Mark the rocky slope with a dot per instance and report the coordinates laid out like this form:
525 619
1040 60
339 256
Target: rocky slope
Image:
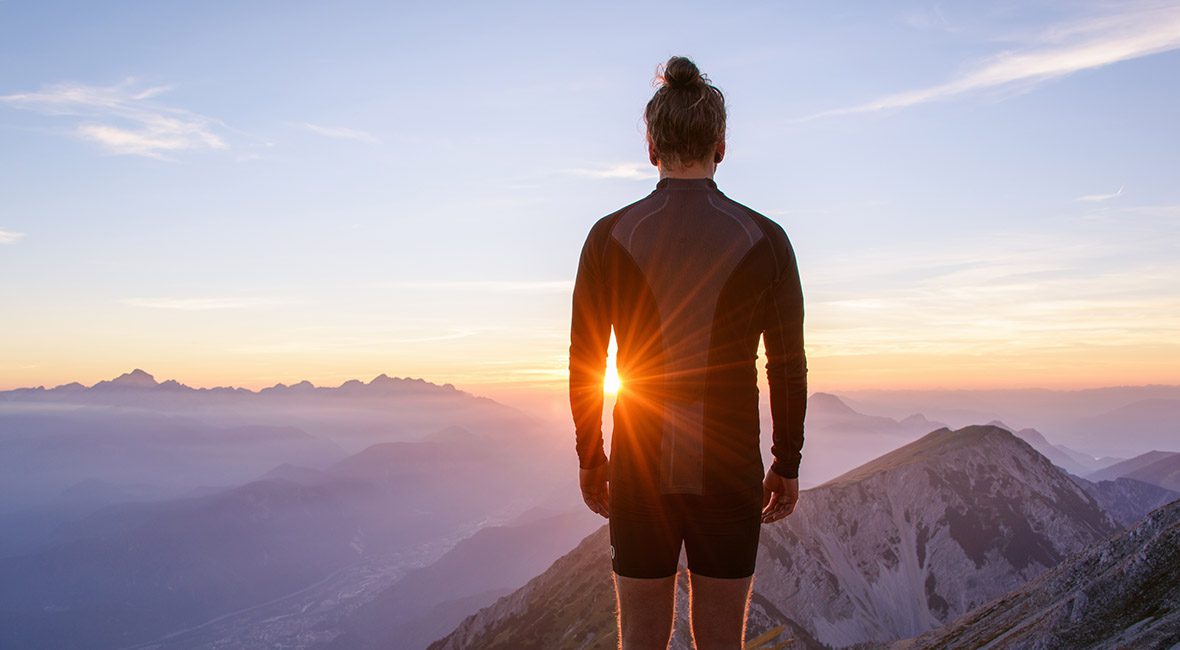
894 548
1127 500
1122 593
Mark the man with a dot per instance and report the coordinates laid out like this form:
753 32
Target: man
689 279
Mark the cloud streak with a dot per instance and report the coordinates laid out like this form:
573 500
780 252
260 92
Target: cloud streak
339 132
199 304
626 171
1056 52
508 286
1094 198
123 119
9 237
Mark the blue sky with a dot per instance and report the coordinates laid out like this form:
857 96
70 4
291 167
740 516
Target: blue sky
979 194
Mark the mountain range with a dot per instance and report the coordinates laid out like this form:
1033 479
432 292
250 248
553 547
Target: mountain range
173 438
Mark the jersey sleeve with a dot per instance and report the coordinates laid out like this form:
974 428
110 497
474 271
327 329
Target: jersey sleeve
786 362
589 338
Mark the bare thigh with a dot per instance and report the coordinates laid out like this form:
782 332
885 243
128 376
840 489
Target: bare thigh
718 608
646 607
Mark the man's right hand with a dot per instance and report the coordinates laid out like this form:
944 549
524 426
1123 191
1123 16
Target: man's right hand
779 496
594 489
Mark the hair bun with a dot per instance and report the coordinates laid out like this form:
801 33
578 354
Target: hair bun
681 72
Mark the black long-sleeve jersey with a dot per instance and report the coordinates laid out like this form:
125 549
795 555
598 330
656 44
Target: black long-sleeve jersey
689 279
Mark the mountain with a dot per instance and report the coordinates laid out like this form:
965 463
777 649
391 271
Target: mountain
135 379
1148 423
429 602
839 437
1152 464
893 548
570 605
1121 593
26 530
828 411
1071 461
1127 500
133 572
1164 472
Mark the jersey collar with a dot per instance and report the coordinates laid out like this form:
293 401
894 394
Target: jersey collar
686 184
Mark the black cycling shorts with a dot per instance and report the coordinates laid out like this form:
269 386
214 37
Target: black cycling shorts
719 533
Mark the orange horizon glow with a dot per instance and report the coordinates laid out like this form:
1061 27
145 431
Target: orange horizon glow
1104 369
519 366
533 371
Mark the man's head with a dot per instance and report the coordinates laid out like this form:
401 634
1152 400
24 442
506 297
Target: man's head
685 118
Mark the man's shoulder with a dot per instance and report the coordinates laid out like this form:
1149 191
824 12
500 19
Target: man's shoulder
771 228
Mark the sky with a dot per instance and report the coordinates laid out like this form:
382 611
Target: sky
979 195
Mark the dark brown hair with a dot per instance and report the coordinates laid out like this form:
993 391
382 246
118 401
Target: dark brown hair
686 117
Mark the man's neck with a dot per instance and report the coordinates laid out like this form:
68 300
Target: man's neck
697 170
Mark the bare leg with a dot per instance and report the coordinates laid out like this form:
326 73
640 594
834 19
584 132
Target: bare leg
718 607
645 611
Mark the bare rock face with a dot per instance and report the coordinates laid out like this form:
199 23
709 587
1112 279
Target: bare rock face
922 535
1127 500
892 549
1122 593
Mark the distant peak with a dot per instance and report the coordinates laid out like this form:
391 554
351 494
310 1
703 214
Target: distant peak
1000 423
135 378
1032 436
828 402
452 433
381 379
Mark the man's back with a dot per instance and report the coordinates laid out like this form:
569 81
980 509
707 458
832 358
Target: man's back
689 279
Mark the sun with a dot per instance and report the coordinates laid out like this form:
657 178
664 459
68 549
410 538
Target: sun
610 381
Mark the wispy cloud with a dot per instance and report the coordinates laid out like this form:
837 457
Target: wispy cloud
1094 198
999 294
628 171
124 118
200 304
8 236
928 18
1058 51
512 286
339 132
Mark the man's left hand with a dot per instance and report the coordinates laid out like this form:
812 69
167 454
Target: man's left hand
779 497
